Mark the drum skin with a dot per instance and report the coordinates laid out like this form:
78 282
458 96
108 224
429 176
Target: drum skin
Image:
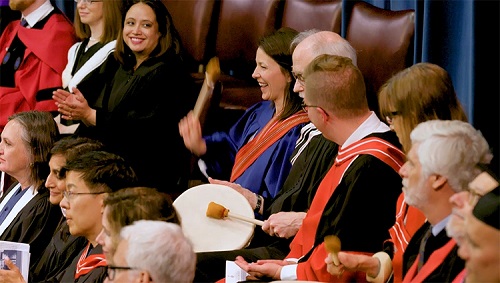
209 234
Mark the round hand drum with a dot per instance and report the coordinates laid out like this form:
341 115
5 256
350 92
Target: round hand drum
210 234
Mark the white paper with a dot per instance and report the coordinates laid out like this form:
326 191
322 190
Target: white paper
19 254
234 273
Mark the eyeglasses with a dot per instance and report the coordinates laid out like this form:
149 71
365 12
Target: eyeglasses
305 107
111 270
71 195
298 77
391 115
87 2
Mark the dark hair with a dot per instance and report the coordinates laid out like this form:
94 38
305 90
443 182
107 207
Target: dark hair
72 146
102 171
169 37
277 46
39 133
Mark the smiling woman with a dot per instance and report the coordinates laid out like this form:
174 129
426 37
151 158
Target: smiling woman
130 111
254 154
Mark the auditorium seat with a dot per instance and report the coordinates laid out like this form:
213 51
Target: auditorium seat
241 25
196 21
383 40
307 14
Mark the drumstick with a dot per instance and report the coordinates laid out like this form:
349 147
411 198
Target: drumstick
332 245
211 77
217 211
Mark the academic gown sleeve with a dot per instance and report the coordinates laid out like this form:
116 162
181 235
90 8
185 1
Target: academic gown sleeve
42 66
266 175
369 184
58 255
96 275
35 224
139 108
222 147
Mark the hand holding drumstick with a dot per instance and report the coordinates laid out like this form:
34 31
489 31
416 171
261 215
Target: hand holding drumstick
332 246
211 77
190 127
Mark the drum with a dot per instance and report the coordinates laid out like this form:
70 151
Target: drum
210 234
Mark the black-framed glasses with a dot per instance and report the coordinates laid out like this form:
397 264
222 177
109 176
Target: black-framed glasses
391 115
305 107
88 2
298 77
71 195
111 270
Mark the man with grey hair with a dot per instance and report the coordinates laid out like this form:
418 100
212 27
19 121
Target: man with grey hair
363 178
312 158
319 152
436 181
442 161
152 251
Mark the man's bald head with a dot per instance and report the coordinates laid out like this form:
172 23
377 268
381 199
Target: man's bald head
313 45
323 42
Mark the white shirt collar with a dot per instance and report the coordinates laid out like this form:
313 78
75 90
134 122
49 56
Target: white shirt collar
40 13
436 229
371 125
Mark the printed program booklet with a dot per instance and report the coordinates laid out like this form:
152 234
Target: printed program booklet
234 273
19 254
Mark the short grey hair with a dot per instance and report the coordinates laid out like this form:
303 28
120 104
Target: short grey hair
301 36
451 148
160 248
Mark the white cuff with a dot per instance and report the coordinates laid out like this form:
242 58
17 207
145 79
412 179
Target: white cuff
385 268
289 272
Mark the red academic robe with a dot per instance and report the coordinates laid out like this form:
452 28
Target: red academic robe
408 220
460 277
314 268
434 261
44 61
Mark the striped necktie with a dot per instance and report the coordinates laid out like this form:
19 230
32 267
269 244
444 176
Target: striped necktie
421 250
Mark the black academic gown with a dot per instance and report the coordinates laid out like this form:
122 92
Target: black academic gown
97 274
58 255
34 224
368 183
138 108
296 195
452 264
94 81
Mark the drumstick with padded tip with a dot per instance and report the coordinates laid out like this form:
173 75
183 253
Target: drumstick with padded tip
211 77
217 211
332 245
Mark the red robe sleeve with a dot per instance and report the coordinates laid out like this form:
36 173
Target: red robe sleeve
44 60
